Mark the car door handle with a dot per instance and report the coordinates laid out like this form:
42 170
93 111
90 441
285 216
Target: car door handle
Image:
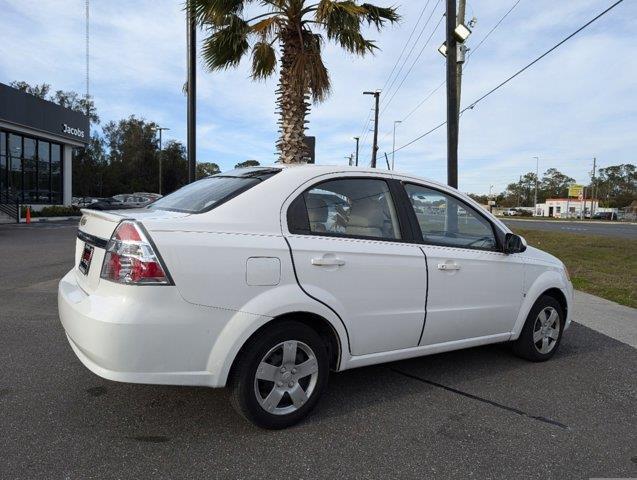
448 266
328 262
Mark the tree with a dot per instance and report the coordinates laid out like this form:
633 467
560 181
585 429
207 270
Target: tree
174 166
291 25
89 167
554 184
247 163
205 169
616 186
133 160
39 91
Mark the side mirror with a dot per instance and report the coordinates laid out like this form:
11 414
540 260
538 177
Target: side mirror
514 243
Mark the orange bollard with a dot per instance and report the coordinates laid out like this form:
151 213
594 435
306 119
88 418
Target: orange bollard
28 217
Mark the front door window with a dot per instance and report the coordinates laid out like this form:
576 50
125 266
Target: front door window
445 220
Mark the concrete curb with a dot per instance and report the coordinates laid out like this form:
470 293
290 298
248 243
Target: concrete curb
51 219
585 222
610 318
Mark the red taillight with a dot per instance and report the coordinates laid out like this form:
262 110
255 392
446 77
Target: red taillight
131 259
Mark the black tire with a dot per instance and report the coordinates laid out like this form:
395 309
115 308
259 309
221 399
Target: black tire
524 346
242 379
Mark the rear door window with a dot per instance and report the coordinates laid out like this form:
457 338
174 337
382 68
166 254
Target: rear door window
353 207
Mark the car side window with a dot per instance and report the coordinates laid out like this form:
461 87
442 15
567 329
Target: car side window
351 207
445 220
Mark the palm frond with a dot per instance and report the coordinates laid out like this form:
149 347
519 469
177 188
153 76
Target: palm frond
228 44
263 60
377 16
210 11
309 71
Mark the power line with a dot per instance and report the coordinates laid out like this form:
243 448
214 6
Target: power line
422 31
471 52
414 62
422 12
523 69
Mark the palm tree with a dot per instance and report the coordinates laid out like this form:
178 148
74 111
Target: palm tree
292 26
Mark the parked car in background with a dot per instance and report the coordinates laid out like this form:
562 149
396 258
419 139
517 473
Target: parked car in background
265 279
137 200
605 216
511 212
109 203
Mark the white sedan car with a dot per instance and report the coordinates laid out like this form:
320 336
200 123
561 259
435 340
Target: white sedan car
265 279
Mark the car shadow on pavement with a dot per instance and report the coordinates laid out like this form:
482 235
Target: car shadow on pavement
147 413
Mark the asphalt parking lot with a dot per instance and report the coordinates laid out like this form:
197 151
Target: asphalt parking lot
479 413
606 229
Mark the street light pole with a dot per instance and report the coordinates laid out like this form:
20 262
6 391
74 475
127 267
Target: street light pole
160 130
192 94
393 148
375 146
357 140
537 172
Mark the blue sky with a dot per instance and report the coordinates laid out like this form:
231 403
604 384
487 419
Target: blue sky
578 103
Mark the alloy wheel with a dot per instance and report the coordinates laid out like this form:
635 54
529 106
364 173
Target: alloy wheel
286 377
546 330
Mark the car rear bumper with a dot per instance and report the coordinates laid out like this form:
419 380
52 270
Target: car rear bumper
140 334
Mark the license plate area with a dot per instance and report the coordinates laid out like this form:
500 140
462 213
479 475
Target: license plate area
85 259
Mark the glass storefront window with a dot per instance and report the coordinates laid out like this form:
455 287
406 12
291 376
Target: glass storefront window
56 174
44 171
29 172
30 168
15 164
3 162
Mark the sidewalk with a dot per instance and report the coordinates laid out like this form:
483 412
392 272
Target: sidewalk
610 318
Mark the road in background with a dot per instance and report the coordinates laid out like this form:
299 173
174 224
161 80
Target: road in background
607 229
479 413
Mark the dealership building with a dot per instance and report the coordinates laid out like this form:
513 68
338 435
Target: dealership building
37 141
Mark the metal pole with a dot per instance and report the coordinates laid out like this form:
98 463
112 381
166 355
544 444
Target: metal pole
192 95
357 140
393 148
160 152
375 145
160 130
452 97
537 172
593 187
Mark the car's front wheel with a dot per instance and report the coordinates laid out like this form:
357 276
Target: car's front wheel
279 375
542 331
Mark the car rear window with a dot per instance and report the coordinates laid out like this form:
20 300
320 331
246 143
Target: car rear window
210 192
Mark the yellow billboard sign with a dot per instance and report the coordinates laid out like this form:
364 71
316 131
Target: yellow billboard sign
575 190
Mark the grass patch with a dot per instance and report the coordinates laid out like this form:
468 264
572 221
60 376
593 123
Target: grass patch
602 266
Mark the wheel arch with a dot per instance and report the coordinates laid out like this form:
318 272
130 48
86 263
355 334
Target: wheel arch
549 283
314 321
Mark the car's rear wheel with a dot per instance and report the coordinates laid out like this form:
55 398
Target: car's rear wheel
279 375
542 331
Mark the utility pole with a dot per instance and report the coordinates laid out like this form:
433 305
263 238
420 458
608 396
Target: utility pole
387 160
160 129
452 96
357 140
519 188
375 146
537 173
191 28
593 187
393 148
